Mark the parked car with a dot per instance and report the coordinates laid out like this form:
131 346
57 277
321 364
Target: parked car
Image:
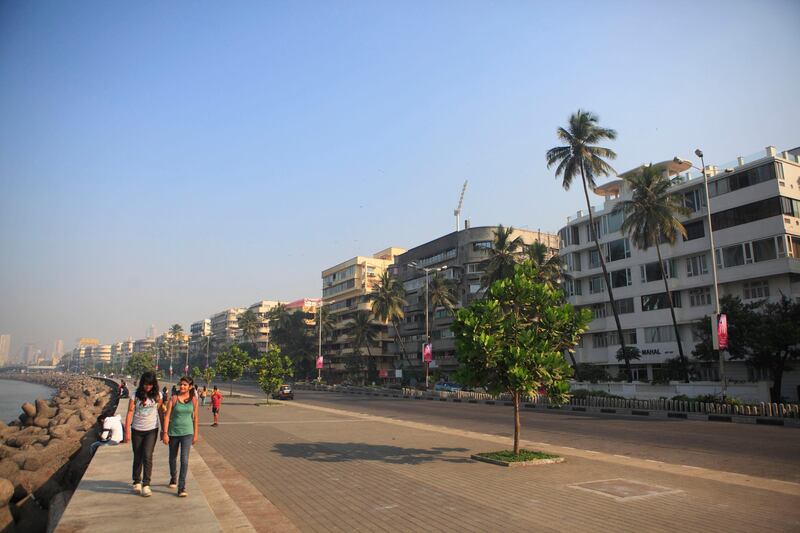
447 387
284 392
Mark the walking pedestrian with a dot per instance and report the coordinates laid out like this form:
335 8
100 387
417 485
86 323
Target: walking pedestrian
141 430
216 401
180 432
203 395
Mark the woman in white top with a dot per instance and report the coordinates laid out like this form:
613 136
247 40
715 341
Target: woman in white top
141 429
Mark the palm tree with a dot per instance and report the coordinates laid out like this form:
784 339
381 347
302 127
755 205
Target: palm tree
650 216
580 157
277 316
441 294
503 256
365 332
388 300
550 268
249 323
175 331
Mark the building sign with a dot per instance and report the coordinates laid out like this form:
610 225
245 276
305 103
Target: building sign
319 361
722 331
652 351
383 373
427 352
398 373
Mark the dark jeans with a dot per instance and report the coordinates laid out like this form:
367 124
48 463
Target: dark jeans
143 443
184 442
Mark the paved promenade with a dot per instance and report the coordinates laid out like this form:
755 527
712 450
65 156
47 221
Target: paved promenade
325 469
303 466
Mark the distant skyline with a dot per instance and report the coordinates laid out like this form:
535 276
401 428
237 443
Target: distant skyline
160 162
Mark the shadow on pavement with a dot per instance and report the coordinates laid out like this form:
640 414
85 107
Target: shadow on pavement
330 452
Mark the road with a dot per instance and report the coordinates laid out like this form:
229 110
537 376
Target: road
764 451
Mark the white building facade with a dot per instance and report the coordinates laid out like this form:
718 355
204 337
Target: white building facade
755 214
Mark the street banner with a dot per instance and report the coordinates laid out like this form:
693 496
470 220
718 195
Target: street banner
383 373
319 361
427 352
722 331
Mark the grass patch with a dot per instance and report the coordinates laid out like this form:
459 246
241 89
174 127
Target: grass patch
524 455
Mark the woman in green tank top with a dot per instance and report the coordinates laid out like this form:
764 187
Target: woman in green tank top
180 431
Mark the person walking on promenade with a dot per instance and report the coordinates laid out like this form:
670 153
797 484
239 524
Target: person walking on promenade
141 429
180 431
203 396
216 401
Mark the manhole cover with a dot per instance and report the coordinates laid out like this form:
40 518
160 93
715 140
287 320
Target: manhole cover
624 489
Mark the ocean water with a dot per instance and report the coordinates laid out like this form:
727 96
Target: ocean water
14 393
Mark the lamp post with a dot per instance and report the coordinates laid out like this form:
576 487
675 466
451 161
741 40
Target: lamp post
413 264
319 349
715 320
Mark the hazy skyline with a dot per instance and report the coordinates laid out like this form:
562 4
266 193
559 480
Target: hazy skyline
162 162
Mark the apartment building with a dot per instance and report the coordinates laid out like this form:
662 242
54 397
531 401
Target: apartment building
225 327
144 345
121 352
5 349
345 291
755 216
463 253
261 310
199 336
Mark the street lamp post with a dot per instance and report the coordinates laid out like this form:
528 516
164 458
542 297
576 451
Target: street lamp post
413 264
319 348
715 320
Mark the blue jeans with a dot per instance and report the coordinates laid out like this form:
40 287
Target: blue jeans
184 442
99 443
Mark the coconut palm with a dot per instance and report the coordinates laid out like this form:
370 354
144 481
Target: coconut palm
581 157
650 216
277 315
441 294
503 256
365 332
388 300
550 268
249 324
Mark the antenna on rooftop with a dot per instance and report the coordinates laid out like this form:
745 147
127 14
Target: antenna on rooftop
457 210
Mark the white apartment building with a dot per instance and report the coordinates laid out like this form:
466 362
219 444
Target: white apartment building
755 212
261 310
225 326
199 333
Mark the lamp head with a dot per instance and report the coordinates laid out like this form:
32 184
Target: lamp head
698 152
677 160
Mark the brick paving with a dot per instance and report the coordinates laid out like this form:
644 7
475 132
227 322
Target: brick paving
333 471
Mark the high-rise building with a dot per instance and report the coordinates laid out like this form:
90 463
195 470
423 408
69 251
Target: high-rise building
261 310
345 291
58 349
152 332
755 216
225 327
29 357
463 253
5 349
199 338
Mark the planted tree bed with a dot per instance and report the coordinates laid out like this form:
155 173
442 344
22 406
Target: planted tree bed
524 458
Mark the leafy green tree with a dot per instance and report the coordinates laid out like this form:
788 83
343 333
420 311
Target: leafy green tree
503 256
208 375
298 340
650 217
196 373
272 369
277 315
513 340
764 334
231 364
365 333
580 157
139 363
388 301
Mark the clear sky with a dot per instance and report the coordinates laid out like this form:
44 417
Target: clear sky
162 161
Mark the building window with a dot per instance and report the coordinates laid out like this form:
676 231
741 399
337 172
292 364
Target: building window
653 302
576 235
474 268
616 250
594 259
694 230
474 288
336 289
793 246
438 258
596 285
756 290
764 250
630 337
600 340
743 214
790 206
573 262
572 287
598 310
740 180
696 265
659 334
624 306
612 223
481 246
597 233
621 278
701 296
694 199
652 272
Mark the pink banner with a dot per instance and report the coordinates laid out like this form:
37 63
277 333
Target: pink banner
722 331
427 353
319 361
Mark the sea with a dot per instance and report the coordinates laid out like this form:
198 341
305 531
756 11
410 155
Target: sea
14 393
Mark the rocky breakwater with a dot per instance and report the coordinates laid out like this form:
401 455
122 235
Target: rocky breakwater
44 454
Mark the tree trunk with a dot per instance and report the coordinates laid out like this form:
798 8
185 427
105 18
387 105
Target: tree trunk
606 277
777 381
515 395
574 365
401 343
684 364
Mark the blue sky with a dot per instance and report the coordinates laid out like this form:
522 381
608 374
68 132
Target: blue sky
160 162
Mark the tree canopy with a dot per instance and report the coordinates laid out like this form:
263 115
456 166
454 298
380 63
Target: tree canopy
231 364
139 363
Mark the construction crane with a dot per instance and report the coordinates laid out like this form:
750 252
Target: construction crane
457 210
